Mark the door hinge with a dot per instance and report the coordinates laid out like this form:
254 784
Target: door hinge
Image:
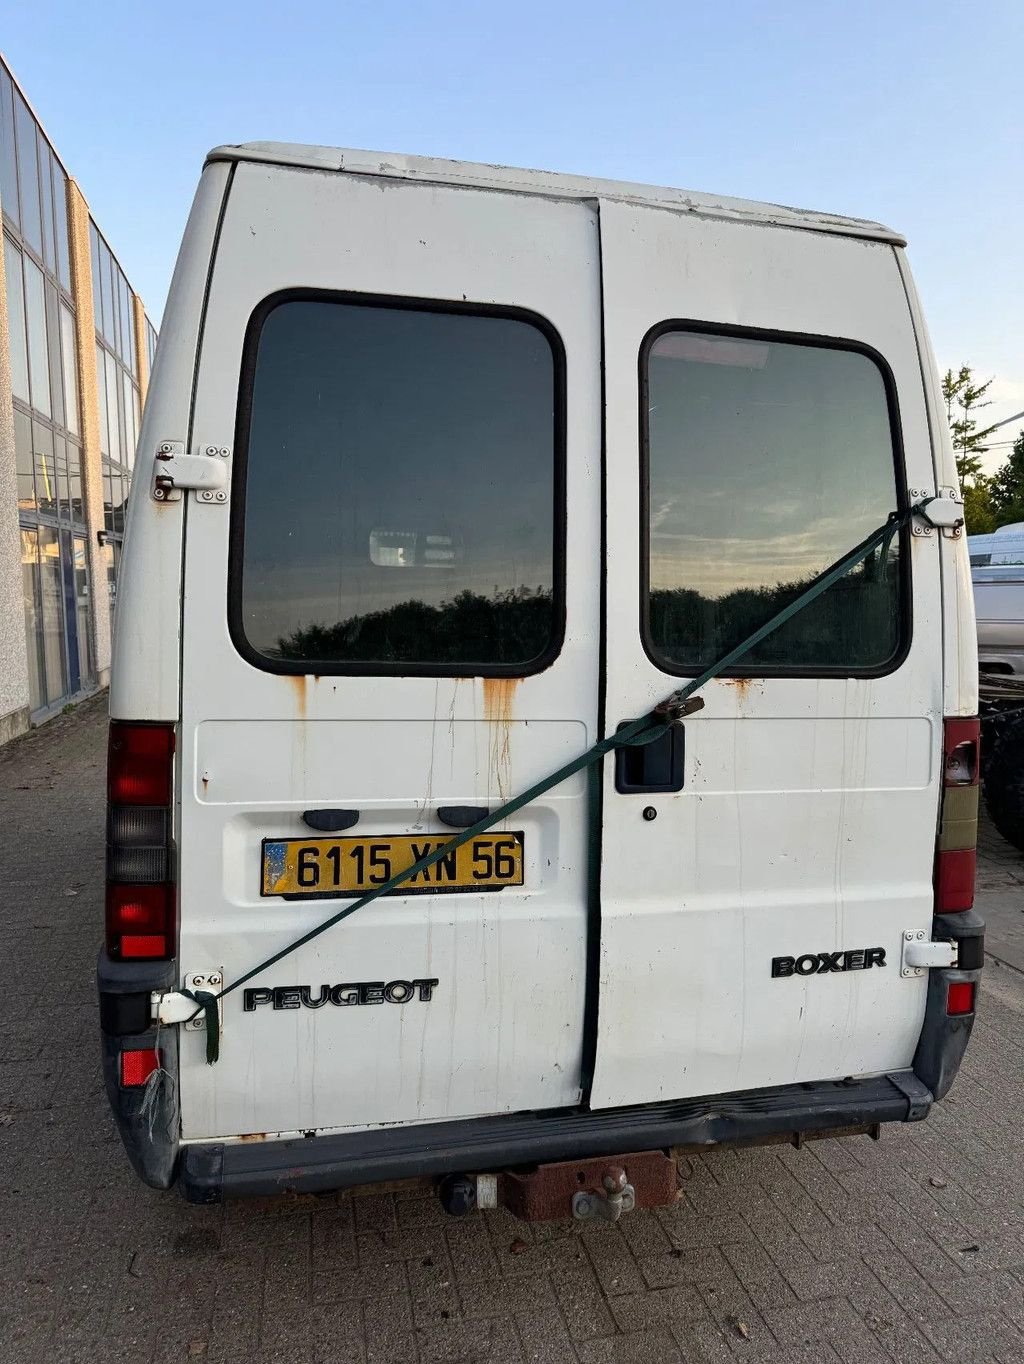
174 1006
920 954
206 473
942 511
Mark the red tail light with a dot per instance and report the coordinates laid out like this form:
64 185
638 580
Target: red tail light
138 1066
956 853
140 889
960 997
140 764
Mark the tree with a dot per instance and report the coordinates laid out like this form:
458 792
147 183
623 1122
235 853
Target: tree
1007 487
963 398
979 514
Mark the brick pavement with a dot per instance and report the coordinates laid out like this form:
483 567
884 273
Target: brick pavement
909 1249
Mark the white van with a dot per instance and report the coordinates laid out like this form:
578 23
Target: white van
446 473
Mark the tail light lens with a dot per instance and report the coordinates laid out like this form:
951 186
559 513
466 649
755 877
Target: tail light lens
960 998
140 888
956 851
138 1066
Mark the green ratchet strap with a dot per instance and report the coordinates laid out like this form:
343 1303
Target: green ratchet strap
638 732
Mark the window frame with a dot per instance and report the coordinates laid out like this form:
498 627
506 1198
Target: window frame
905 598
243 424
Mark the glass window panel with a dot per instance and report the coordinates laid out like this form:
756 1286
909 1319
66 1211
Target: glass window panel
767 461
108 500
46 200
24 462
122 415
53 353
82 597
52 597
42 457
97 297
28 174
137 408
101 397
8 156
16 321
379 527
128 391
60 223
108 306
60 469
150 344
69 362
38 357
129 331
113 405
30 587
75 483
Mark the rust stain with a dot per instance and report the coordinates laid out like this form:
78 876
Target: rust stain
499 701
742 685
253 1136
298 685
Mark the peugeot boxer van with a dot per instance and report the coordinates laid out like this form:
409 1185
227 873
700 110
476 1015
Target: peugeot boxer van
448 474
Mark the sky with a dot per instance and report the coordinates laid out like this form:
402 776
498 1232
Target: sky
906 111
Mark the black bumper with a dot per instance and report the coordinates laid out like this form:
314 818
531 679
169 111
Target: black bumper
209 1172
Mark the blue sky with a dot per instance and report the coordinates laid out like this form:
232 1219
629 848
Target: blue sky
900 110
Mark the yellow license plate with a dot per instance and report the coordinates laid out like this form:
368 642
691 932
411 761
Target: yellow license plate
351 866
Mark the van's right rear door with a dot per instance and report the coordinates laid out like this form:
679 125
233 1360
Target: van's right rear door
765 413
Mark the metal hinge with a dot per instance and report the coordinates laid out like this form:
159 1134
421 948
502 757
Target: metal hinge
172 1006
943 511
920 953
175 472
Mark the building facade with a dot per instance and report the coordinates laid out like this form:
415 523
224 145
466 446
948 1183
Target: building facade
75 354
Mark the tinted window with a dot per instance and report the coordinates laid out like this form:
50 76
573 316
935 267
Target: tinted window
767 461
400 490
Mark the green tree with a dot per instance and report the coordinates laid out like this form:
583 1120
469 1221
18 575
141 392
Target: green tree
963 398
1007 487
979 514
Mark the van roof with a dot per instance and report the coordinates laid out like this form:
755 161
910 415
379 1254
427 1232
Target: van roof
437 171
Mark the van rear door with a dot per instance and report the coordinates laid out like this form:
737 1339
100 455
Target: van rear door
765 383
400 629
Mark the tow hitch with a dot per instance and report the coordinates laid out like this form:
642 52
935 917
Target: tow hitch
603 1188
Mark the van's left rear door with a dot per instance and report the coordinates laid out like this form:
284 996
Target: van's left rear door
402 619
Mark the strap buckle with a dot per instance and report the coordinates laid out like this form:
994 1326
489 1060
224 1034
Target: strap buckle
677 707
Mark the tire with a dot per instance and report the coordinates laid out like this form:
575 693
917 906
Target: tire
1004 777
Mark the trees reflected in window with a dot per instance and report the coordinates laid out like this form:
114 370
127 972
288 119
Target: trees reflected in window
400 489
767 460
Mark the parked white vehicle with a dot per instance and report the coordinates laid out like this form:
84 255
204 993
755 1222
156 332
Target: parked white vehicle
446 472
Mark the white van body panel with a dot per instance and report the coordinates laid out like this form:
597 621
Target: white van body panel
505 1029
145 682
959 642
806 821
783 836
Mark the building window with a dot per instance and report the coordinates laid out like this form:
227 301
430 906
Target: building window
45 389
766 459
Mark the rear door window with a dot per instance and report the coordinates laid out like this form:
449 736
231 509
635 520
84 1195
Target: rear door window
401 507
766 459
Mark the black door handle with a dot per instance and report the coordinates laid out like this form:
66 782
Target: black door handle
653 767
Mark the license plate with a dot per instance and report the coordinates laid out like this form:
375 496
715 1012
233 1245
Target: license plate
351 866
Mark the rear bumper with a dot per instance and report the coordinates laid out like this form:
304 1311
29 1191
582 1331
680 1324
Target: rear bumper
210 1172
